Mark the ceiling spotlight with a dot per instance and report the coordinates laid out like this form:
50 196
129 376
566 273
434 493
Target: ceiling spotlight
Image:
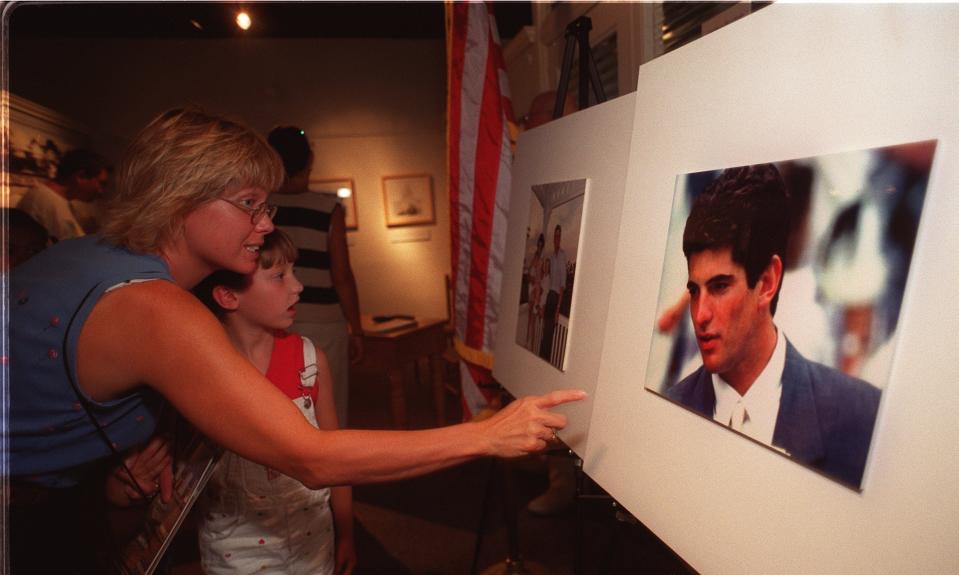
243 20
344 193
196 25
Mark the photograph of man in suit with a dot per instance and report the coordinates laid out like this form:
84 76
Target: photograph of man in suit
752 379
557 287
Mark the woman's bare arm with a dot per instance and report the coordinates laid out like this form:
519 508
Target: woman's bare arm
156 334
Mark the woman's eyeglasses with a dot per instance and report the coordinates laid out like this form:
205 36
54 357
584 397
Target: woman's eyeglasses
257 213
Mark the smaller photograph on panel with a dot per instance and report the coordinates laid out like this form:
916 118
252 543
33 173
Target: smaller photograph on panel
549 269
781 297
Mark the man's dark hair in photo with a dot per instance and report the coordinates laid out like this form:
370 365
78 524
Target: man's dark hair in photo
745 209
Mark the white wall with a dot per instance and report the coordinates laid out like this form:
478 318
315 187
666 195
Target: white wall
371 108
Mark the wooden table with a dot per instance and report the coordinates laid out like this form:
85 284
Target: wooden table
393 351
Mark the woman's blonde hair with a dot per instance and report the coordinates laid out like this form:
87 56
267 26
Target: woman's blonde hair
180 160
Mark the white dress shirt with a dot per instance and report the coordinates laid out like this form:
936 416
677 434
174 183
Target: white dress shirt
761 400
557 271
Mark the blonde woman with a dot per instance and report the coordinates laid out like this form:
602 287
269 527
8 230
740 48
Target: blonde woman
104 332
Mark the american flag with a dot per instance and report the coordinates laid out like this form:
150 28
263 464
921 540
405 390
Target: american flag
480 124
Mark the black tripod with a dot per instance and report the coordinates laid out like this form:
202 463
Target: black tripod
578 31
500 478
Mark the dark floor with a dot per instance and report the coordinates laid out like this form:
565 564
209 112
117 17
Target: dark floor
429 525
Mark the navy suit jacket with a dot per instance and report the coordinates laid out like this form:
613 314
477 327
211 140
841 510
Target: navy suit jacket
825 417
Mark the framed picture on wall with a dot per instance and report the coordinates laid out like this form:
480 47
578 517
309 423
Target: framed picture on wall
408 200
344 189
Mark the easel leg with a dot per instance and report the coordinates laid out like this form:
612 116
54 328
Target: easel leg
484 510
501 473
579 561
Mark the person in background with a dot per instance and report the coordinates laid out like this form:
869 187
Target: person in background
558 262
87 212
104 334
329 312
254 518
81 176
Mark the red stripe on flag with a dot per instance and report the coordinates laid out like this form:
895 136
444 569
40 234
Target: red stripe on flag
457 61
488 154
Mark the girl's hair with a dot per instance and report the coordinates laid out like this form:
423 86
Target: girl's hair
277 249
180 160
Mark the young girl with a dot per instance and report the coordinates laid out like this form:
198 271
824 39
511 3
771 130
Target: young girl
255 518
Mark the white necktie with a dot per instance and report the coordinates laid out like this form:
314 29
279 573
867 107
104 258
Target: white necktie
738 417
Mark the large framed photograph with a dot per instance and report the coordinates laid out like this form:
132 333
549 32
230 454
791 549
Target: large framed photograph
549 269
345 190
781 296
408 200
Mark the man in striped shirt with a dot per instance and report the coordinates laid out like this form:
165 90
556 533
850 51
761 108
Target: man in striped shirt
328 312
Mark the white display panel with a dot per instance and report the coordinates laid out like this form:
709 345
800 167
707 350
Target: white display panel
792 81
593 145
